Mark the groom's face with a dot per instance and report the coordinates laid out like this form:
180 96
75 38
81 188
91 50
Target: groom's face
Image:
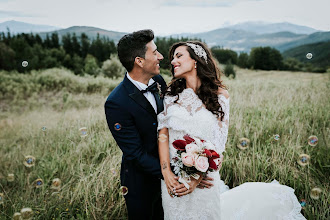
152 59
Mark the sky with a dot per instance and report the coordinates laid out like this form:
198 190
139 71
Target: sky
166 17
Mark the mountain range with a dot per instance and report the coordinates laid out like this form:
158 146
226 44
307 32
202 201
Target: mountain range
239 37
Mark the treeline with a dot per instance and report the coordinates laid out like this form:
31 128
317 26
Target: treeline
266 58
99 56
77 53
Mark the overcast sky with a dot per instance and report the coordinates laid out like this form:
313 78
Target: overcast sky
165 16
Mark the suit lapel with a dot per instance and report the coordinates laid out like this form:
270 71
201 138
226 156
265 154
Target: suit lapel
138 97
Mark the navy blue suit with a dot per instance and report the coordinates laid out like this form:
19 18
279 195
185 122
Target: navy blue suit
133 123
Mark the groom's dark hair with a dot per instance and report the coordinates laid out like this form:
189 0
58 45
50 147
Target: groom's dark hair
133 45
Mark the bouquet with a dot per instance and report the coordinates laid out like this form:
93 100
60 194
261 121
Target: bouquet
194 156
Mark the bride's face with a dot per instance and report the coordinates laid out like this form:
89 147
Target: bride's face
183 64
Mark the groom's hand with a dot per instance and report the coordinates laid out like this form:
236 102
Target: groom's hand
205 183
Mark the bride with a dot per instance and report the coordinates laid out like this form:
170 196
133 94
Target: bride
197 103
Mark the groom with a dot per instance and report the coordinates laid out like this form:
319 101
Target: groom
131 112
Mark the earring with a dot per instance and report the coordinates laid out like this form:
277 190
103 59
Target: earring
195 65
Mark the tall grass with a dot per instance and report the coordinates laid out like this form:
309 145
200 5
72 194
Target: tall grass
293 105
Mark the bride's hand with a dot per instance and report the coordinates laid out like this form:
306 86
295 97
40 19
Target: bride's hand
192 186
172 183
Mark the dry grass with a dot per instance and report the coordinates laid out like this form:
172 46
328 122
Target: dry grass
263 103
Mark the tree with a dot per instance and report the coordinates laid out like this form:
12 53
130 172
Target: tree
243 60
229 70
55 41
75 45
47 42
265 58
224 55
67 44
7 57
91 66
85 44
292 64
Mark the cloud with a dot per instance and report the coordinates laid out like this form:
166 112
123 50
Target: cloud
4 14
204 3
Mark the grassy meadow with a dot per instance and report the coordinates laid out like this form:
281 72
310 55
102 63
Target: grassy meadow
262 104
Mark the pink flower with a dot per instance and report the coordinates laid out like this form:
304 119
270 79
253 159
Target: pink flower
201 163
191 148
188 159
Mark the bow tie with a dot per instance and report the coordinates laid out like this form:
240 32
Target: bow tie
152 88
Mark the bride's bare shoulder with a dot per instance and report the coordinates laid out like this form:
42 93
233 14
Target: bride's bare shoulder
223 92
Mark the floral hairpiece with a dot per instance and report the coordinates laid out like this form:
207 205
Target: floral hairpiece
199 51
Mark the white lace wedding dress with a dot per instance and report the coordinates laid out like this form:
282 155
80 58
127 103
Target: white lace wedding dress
251 201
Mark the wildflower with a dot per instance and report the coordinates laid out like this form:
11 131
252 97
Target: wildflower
26 213
29 161
56 184
17 216
315 193
312 141
44 128
10 177
124 190
243 143
276 137
83 132
1 198
303 159
38 183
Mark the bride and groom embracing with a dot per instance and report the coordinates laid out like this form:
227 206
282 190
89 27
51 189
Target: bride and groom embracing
172 138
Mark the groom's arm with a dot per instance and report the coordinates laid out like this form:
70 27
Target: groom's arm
128 140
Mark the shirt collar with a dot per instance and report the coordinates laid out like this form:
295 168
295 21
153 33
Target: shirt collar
140 85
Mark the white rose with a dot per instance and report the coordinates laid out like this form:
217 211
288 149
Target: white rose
201 163
188 159
191 148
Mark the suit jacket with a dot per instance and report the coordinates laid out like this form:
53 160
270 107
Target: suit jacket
133 123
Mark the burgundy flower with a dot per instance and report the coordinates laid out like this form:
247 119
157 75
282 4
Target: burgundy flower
180 145
188 139
212 164
208 153
214 154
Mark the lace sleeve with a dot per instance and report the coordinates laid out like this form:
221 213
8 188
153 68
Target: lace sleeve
221 130
163 117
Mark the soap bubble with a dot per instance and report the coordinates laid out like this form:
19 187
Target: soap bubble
25 63
309 56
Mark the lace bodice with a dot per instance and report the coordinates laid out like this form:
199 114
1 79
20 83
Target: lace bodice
189 116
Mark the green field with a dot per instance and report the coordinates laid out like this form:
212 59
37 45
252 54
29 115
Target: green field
263 103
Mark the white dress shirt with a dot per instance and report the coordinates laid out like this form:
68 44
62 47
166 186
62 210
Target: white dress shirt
148 95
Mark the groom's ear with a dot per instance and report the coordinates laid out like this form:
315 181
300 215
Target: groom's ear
139 61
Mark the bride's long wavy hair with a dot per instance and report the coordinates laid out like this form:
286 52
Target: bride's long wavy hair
207 72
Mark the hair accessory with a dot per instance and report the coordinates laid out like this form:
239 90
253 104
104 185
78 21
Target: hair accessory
199 51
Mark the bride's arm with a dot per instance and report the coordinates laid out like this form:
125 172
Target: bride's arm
170 179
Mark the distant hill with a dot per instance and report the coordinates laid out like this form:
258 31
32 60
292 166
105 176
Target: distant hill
91 32
267 28
22 27
240 37
307 39
320 52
